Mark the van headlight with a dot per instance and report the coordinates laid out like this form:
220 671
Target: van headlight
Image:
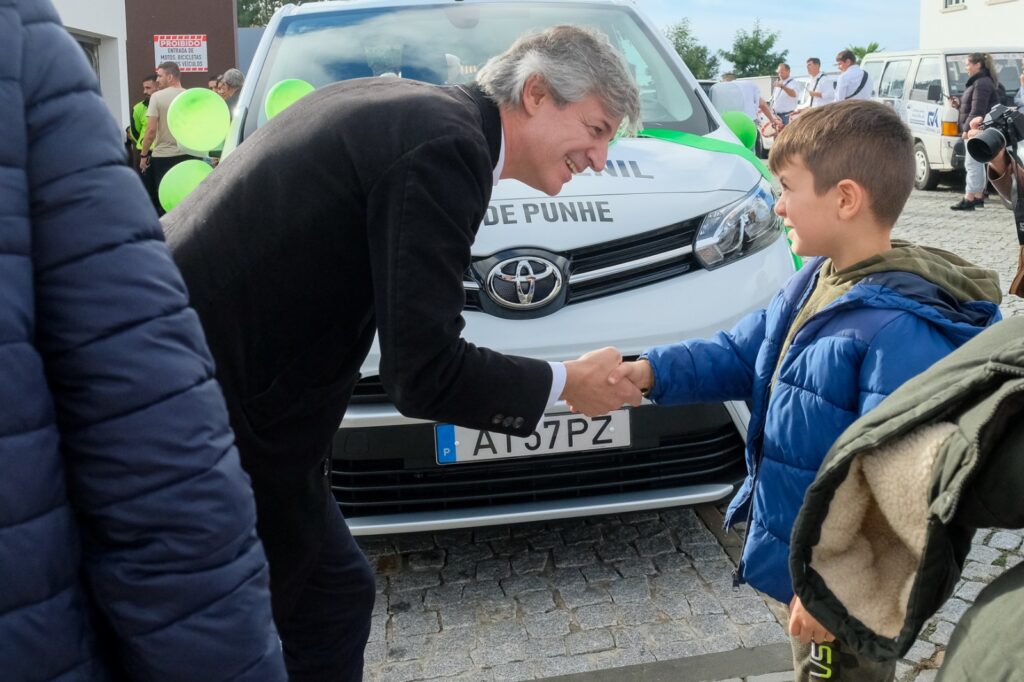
739 229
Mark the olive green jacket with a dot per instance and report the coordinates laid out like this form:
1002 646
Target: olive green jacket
885 528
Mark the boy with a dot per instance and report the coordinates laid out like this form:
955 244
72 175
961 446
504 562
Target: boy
846 330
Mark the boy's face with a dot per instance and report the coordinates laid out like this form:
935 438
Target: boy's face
812 219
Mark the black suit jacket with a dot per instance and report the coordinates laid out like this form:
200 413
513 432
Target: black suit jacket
351 212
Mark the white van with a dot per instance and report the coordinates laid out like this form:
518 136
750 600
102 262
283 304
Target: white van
918 85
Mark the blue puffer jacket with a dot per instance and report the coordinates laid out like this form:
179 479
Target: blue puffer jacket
842 362
127 527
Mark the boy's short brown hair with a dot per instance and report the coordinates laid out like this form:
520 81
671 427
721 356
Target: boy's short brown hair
859 140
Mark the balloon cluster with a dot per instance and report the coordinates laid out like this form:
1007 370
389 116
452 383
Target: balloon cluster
199 120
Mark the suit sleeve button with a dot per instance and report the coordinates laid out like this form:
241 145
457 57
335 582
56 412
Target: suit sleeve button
518 422
496 419
507 422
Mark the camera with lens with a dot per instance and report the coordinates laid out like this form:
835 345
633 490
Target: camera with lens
1002 127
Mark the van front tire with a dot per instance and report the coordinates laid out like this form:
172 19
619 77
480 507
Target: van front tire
925 177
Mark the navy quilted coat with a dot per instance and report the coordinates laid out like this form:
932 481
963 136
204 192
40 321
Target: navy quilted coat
889 327
127 530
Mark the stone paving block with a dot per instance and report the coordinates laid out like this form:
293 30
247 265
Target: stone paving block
491 611
589 641
432 560
488 533
546 625
1012 560
724 589
459 572
374 653
699 553
747 610
953 609
595 616
561 577
574 556
715 571
493 569
523 530
920 651
493 634
506 547
712 626
630 615
413 580
969 590
656 544
634 567
670 651
482 592
620 533
559 665
631 638
414 542
374 547
630 590
681 518
407 624
503 652
615 551
588 535
677 561
721 643
760 634
702 603
575 596
474 552
673 631
678 582
983 554
459 616
512 672
380 604
941 633
453 538
633 518
521 584
535 602
617 658
772 677
675 605
600 573
1004 540
448 666
401 672
378 626
648 529
692 537
548 539
928 675
443 596
540 647
902 670
526 563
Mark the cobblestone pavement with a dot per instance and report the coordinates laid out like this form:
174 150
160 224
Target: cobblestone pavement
533 601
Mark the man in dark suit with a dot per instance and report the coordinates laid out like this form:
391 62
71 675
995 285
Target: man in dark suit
354 212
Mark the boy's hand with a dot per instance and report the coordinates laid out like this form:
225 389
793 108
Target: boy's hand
638 373
588 388
804 626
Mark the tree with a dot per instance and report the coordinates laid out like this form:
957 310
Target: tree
697 57
862 51
751 53
258 12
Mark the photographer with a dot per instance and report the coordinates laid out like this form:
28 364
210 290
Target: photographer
993 140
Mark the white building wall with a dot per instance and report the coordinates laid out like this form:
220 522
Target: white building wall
972 23
103 21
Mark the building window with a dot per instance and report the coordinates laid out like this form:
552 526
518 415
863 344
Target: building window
947 4
91 47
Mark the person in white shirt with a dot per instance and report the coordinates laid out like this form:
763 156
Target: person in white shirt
786 92
753 103
855 82
821 88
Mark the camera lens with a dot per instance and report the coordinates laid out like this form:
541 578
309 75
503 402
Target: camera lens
986 145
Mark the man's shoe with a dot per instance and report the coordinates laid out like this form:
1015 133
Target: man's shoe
963 205
979 203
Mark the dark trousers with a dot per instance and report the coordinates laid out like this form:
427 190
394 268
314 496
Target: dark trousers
784 116
325 632
158 167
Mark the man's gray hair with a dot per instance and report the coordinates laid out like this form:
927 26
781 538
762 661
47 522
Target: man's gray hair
574 61
233 78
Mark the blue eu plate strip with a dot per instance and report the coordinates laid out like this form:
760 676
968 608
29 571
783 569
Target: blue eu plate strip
444 437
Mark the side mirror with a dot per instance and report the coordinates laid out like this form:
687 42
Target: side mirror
934 92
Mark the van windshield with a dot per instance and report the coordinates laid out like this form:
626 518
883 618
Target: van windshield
1007 65
447 44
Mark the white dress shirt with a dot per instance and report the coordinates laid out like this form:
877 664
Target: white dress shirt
782 102
848 83
822 83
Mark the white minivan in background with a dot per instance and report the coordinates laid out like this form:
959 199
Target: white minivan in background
918 84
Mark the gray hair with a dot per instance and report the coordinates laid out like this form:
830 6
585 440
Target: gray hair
233 78
574 61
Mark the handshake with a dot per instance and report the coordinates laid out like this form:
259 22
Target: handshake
599 382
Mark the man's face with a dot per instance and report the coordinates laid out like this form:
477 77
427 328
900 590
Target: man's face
843 64
811 218
560 142
813 68
782 72
148 88
163 79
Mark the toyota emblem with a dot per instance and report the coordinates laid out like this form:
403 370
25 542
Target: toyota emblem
524 283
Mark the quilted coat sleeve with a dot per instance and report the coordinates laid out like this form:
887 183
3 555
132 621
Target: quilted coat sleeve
705 370
167 515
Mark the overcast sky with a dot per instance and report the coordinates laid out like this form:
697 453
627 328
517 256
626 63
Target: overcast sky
807 28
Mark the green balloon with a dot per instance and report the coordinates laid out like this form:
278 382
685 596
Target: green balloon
284 94
180 181
742 127
199 119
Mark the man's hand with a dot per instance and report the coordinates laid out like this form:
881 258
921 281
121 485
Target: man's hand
638 373
588 388
804 626
143 163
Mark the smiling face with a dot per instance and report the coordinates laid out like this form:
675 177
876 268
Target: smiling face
557 142
812 218
972 67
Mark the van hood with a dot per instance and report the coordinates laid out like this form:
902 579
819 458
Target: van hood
647 184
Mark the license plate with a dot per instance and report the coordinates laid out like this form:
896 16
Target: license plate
556 433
